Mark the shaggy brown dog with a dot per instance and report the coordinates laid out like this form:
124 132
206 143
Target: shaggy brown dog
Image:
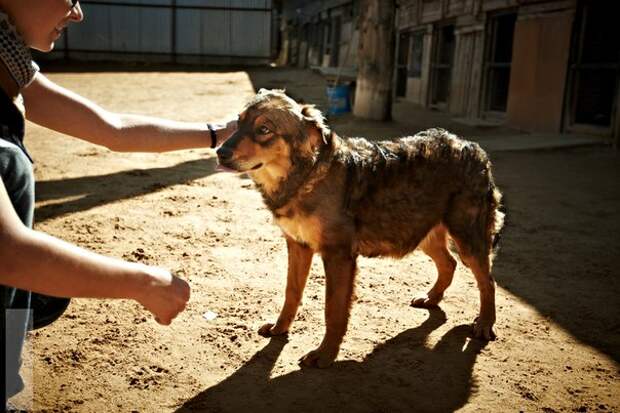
347 197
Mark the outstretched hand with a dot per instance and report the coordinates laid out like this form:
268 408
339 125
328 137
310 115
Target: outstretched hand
165 295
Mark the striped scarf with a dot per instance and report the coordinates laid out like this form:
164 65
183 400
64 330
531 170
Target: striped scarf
15 54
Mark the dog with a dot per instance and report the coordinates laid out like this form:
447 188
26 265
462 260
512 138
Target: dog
345 197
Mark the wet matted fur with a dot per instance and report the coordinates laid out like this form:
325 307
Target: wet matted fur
342 198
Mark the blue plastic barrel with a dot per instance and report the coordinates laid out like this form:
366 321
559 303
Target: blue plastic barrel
338 99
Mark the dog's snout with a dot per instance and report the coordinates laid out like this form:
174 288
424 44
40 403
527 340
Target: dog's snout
224 153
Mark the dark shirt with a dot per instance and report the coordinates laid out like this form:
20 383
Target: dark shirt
12 123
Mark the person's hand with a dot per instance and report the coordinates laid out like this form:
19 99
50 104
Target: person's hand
164 295
226 132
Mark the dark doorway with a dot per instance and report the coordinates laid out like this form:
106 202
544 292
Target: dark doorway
498 60
401 63
441 66
594 67
416 54
326 49
335 47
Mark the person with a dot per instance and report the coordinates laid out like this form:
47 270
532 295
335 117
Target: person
35 268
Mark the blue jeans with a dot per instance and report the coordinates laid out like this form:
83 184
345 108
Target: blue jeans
19 306
16 173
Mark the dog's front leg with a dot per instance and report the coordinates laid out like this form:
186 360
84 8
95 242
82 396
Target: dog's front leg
340 268
299 260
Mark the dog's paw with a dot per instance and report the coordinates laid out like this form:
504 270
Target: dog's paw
483 330
320 358
268 330
424 301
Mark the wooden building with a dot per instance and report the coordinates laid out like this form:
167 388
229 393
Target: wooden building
319 33
537 65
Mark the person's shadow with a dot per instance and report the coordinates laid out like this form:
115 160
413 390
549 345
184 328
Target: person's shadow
92 191
401 375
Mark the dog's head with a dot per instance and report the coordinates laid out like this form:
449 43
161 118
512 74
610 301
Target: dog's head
272 133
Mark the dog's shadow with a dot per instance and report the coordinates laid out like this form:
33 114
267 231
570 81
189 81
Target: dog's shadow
403 374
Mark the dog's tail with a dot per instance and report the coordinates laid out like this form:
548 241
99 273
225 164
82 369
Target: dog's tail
497 216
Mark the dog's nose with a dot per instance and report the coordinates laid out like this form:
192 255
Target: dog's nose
224 153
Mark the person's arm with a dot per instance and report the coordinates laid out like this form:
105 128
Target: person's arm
33 261
57 108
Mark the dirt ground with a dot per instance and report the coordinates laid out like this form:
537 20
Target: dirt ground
558 346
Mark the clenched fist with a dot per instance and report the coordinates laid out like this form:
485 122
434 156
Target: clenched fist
164 294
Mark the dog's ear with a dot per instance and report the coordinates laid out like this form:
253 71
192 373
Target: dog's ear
314 118
263 91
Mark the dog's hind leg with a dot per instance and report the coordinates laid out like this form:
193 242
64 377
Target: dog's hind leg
299 260
481 267
471 223
435 246
340 269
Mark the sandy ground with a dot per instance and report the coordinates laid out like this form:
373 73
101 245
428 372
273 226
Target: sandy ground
558 346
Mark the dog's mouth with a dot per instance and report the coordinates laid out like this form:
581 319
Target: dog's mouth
234 168
223 168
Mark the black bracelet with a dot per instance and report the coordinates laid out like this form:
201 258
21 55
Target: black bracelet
213 135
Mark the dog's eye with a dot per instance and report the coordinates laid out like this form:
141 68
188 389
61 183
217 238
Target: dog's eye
264 130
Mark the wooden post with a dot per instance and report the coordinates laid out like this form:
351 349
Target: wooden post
373 94
615 129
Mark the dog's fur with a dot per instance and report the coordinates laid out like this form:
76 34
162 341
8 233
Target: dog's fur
347 197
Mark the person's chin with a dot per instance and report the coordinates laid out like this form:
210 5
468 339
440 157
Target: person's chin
45 46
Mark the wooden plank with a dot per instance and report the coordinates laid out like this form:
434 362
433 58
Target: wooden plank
616 126
455 8
490 5
476 84
546 7
426 66
431 11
